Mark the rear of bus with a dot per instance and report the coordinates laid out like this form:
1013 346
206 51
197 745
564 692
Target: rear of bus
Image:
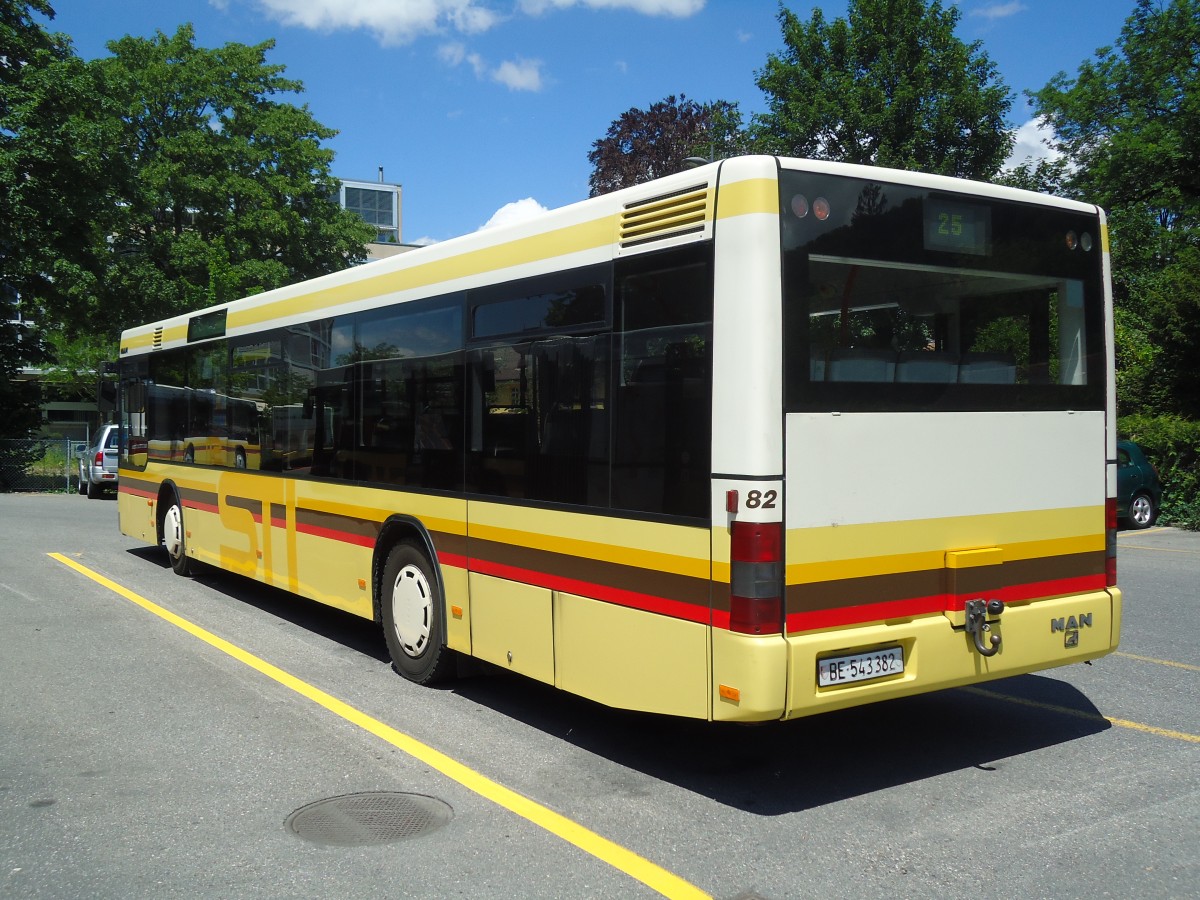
946 512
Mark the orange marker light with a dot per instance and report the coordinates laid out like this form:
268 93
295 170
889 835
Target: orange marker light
729 693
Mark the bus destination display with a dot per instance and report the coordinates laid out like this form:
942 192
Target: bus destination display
953 227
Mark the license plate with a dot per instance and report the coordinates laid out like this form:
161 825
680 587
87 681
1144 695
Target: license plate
860 666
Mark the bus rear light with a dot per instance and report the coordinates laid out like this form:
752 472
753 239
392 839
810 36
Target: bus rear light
756 578
1110 542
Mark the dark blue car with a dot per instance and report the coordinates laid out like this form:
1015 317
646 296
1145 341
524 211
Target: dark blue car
1139 492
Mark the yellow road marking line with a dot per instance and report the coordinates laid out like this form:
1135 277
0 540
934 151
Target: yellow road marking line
1161 662
653 876
1140 533
1091 717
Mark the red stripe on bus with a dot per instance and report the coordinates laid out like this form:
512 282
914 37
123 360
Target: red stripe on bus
660 605
203 507
136 492
359 540
916 606
455 560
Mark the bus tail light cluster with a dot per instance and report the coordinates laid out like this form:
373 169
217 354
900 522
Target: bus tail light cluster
1110 542
756 578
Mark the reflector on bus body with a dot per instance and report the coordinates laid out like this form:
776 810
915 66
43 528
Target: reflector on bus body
1110 542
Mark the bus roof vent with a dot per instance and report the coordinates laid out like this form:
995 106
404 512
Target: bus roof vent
158 337
671 215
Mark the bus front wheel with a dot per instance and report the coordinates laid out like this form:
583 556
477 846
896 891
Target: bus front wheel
411 607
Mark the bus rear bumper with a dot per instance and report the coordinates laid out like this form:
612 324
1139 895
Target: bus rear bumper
1035 635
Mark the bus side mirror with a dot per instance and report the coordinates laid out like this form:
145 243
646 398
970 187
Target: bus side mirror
106 395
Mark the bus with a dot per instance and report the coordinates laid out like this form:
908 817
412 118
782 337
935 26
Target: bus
760 439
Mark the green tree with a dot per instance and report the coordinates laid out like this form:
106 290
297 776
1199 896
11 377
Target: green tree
1046 176
1129 123
642 145
224 190
889 85
56 162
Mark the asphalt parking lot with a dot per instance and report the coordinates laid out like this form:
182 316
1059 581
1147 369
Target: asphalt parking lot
160 748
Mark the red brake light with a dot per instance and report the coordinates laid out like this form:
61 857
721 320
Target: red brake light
99 457
756 578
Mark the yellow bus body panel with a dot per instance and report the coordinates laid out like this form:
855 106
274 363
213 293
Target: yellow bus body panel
748 683
937 656
630 659
513 626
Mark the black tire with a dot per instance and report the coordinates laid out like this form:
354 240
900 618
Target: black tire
1142 511
83 485
174 538
411 607
93 490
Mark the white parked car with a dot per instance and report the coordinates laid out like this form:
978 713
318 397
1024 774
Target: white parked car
98 463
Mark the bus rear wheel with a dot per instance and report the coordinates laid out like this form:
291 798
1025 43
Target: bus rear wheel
412 608
174 538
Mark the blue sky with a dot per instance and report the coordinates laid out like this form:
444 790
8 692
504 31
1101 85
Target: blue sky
484 109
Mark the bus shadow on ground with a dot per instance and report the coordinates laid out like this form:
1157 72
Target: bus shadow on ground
783 767
352 632
767 769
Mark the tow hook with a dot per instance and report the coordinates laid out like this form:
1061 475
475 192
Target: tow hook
977 614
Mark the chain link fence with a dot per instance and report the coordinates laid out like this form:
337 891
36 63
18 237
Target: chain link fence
39 464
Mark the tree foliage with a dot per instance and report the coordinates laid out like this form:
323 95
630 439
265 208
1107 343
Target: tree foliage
642 145
160 179
225 190
56 141
889 85
1129 123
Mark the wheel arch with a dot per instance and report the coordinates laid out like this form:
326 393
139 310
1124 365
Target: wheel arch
166 492
399 529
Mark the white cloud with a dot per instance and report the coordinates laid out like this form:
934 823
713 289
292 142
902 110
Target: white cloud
517 211
455 54
678 8
1000 10
403 21
391 21
1029 143
520 75
517 75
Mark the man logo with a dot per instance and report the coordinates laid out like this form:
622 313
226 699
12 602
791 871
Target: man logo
1071 624
1070 628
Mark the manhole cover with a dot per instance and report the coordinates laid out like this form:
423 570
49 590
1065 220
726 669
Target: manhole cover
358 820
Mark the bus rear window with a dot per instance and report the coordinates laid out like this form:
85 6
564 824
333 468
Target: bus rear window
900 299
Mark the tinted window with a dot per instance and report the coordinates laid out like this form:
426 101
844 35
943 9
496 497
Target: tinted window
540 428
410 386
900 298
564 302
662 402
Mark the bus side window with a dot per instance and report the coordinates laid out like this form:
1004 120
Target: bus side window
662 408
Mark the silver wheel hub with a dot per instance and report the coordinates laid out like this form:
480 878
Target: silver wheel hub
1141 510
173 532
412 610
